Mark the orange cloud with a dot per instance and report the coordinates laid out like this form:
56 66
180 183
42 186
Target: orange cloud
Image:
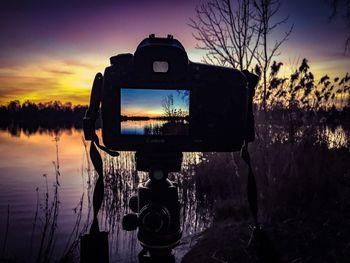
48 79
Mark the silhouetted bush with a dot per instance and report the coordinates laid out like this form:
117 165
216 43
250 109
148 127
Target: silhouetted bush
300 91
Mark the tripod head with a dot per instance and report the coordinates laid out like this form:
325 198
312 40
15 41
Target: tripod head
156 207
166 161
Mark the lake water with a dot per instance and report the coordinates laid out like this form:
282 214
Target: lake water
154 127
46 189
133 127
29 168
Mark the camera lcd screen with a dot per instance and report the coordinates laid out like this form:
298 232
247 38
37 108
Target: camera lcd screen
154 112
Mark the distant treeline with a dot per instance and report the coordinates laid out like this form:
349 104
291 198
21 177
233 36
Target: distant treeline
49 115
31 117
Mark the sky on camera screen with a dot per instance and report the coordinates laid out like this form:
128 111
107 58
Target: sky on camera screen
154 111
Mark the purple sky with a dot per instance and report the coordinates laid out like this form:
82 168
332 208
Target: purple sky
51 50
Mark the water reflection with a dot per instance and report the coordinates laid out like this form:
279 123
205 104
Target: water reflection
334 137
50 170
154 127
139 127
65 193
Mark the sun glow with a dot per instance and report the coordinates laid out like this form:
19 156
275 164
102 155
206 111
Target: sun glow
49 80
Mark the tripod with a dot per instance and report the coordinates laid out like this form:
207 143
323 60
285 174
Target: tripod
156 207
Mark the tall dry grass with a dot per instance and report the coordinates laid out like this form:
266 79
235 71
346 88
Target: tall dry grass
303 180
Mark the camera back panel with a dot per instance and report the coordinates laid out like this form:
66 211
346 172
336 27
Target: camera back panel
158 100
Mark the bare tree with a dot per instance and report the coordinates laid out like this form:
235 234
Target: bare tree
169 109
237 33
266 11
168 105
228 31
339 6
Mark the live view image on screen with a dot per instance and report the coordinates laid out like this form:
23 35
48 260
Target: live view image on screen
154 112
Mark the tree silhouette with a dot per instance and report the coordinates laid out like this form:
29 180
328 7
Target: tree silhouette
342 8
168 105
267 10
236 33
228 31
169 109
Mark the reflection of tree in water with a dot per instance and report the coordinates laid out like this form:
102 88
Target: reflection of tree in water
153 129
169 127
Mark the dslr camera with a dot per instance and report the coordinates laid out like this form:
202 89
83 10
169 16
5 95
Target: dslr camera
158 103
157 99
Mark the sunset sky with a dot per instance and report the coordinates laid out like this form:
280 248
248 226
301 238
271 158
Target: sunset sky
148 103
51 50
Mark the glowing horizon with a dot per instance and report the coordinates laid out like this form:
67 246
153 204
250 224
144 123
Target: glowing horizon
75 85
52 51
148 102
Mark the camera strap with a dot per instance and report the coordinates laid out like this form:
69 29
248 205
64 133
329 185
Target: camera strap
89 121
251 185
266 251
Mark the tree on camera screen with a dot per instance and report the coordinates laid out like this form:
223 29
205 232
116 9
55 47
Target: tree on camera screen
154 112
